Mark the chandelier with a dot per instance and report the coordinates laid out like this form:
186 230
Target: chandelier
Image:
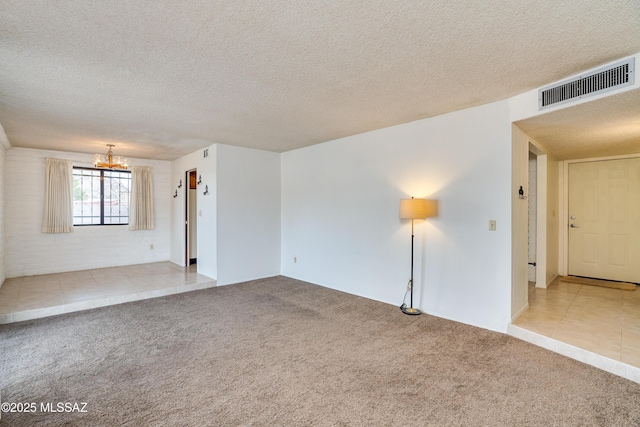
109 160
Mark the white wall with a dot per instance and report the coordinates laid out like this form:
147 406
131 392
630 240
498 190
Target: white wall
525 106
206 228
29 252
519 207
248 214
553 218
340 214
547 217
3 168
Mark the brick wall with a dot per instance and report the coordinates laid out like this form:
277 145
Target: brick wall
29 252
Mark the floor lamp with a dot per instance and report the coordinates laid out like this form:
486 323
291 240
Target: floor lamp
415 209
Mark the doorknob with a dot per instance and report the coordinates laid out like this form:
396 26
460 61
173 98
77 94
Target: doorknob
574 226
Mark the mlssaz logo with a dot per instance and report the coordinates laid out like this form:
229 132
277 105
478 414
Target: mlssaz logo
63 406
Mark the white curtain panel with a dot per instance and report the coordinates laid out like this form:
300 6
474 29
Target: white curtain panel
141 214
58 197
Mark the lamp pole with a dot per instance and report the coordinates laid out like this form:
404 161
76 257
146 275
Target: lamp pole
415 209
411 280
410 309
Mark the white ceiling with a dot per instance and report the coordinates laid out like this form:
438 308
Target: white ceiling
161 79
607 127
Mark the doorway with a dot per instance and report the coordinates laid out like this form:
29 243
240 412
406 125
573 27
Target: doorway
603 212
533 217
537 212
191 218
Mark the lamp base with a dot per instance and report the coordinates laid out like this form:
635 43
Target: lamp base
410 310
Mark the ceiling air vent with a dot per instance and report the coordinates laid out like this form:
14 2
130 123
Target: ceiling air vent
596 82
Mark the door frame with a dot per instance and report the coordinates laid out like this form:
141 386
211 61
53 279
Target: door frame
541 214
563 264
187 216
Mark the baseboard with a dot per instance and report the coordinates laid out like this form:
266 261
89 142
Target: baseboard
522 310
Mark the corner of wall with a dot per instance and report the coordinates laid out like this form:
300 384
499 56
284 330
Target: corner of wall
205 162
3 239
248 207
519 212
4 141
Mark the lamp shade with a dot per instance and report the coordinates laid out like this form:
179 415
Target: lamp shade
418 208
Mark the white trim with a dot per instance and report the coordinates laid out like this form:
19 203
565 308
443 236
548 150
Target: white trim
601 159
541 213
522 310
541 222
563 228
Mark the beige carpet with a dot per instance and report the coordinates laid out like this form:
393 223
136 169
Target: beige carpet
279 352
598 282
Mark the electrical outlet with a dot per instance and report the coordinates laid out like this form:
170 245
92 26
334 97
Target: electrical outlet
151 247
492 225
295 259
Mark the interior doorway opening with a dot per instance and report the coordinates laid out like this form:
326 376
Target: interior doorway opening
538 193
191 218
533 208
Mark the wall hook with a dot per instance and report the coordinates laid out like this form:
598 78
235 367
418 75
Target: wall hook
180 184
175 194
199 179
521 193
206 190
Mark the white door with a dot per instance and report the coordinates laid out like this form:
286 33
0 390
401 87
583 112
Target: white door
604 219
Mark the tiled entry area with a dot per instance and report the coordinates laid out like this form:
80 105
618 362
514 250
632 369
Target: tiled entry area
601 321
32 297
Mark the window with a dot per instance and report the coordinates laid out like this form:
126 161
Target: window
100 196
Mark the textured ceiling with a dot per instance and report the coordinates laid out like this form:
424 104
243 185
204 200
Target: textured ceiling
607 127
161 79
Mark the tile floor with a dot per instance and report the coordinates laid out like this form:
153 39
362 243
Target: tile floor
600 320
32 297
